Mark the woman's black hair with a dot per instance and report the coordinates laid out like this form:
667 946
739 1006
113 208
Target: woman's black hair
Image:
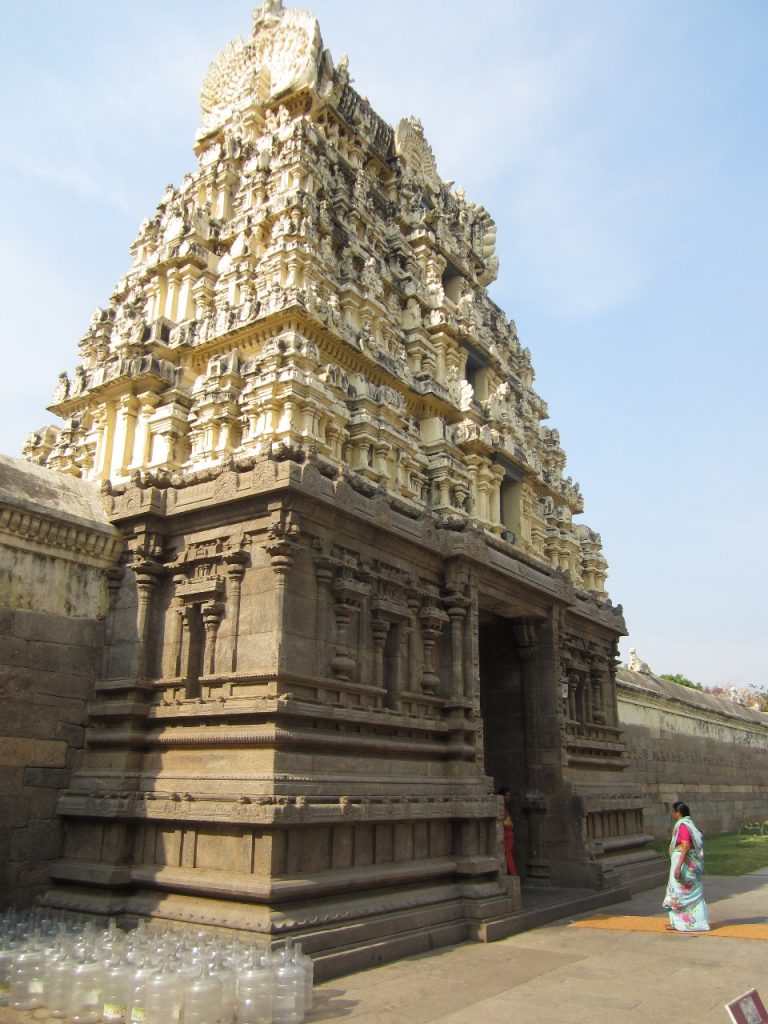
684 809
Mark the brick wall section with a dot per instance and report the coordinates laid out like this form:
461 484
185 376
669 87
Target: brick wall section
691 746
55 547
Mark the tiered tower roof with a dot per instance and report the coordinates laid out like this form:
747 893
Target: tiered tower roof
316 290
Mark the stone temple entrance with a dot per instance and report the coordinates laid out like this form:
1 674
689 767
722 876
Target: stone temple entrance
503 711
352 597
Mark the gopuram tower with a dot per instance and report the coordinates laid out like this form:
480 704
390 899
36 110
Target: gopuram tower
353 601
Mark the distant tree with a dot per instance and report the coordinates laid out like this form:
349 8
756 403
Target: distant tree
682 681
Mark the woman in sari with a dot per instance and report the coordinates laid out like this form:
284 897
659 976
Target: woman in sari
509 831
685 896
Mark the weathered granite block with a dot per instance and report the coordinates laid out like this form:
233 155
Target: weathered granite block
37 842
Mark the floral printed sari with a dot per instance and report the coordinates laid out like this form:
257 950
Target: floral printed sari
685 896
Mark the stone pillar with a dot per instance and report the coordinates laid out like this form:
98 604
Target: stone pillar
235 562
189 671
349 593
413 599
146 573
324 568
537 868
597 691
141 444
185 306
122 451
211 612
104 426
610 702
495 482
380 629
343 665
172 295
432 620
456 605
177 637
282 549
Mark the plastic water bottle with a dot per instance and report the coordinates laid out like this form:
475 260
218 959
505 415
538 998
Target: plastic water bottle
163 998
202 1000
288 999
115 991
221 970
253 999
8 951
27 988
85 1002
58 986
307 965
137 989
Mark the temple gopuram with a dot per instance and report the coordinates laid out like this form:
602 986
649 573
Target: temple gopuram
353 600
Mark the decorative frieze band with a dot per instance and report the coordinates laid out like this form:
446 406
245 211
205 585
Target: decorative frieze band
24 528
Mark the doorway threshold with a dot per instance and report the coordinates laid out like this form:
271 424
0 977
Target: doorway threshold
542 905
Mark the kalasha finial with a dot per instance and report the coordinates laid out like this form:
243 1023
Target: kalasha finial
269 12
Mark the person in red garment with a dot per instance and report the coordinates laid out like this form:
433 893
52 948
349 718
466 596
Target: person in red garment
509 832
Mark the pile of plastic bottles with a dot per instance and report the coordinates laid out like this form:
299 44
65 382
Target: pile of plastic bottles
84 973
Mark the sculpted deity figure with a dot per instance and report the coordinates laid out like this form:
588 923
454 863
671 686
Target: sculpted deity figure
411 318
365 337
62 388
347 264
334 309
78 384
370 277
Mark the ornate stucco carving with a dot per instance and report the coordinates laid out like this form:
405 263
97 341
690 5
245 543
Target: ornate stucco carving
281 54
416 154
315 287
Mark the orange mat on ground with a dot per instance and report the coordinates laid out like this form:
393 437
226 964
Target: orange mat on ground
627 923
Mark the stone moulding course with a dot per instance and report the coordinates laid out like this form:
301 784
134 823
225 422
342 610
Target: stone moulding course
23 526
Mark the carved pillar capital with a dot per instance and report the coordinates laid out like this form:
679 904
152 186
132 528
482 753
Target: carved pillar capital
281 543
431 619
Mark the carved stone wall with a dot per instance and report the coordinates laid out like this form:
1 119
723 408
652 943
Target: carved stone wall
55 544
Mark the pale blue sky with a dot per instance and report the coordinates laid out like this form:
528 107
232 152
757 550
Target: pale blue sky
621 147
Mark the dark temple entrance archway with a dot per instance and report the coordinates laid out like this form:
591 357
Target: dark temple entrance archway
503 709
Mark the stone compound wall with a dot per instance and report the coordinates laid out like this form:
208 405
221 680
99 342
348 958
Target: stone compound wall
692 746
55 544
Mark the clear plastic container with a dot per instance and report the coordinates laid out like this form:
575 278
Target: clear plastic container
85 1002
137 989
307 965
115 992
8 952
220 969
288 997
202 1000
253 994
27 983
58 986
163 997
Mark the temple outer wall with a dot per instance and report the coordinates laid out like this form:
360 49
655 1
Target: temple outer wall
689 745
55 548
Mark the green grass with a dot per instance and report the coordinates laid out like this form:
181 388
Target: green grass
733 853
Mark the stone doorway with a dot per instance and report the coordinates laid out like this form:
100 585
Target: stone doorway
502 705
